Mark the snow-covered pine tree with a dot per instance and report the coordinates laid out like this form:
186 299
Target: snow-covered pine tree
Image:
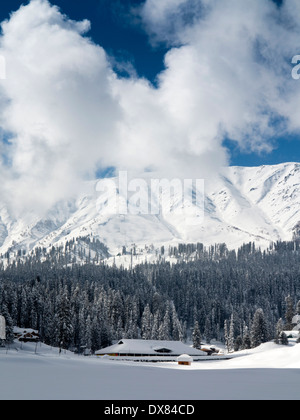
226 334
259 331
119 330
146 323
155 327
238 343
176 328
289 313
208 330
298 308
246 342
164 329
278 330
230 345
88 332
196 336
283 339
64 318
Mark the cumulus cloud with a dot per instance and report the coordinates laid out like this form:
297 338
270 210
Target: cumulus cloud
57 105
65 113
165 19
228 74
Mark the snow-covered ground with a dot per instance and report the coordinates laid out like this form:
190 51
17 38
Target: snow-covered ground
31 372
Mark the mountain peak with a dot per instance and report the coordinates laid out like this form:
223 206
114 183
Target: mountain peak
243 204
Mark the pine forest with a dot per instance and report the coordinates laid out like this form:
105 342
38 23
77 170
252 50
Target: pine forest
238 297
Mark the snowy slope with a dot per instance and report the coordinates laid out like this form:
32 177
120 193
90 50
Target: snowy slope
269 372
258 204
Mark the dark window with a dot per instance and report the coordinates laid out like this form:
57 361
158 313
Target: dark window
163 350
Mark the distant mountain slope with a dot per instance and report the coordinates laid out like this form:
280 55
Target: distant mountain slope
258 204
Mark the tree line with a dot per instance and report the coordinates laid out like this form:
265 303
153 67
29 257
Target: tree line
237 297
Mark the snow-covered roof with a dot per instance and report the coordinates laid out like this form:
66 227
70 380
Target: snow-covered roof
296 322
26 334
184 358
150 347
18 330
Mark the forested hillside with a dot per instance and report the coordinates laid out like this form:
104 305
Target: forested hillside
90 305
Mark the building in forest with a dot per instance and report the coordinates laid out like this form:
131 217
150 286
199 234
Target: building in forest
26 335
296 322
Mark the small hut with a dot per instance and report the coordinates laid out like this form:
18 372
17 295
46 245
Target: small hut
184 359
26 335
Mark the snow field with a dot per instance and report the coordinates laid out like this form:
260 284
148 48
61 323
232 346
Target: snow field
268 372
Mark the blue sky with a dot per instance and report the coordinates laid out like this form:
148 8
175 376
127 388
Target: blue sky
112 28
122 36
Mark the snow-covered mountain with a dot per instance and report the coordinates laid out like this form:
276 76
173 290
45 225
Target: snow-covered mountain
242 204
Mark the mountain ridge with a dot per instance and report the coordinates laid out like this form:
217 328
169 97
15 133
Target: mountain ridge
243 204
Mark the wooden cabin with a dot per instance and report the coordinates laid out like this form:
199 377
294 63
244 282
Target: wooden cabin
185 360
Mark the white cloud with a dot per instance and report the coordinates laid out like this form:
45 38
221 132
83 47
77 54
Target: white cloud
228 73
60 108
165 19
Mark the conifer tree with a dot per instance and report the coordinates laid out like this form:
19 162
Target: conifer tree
298 308
226 334
246 342
289 313
238 343
196 336
231 335
146 323
64 319
88 332
164 329
155 327
208 330
278 330
259 330
176 328
283 338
